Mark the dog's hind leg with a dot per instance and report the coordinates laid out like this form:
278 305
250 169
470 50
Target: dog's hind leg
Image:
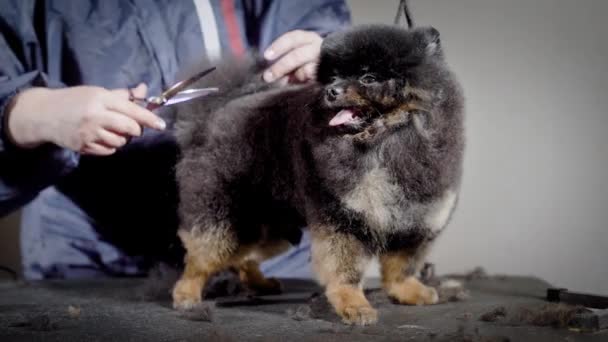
340 260
398 271
249 268
207 251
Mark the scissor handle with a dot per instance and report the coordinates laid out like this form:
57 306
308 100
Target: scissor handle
149 105
152 106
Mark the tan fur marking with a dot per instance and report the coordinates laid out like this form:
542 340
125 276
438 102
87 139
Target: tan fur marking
408 107
267 250
397 117
418 93
249 268
250 274
393 267
377 198
362 136
337 257
206 253
406 289
352 96
339 261
187 291
217 243
387 101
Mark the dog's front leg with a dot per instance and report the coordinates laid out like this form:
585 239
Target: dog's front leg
207 251
340 260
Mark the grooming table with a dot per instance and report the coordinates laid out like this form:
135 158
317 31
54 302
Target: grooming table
114 310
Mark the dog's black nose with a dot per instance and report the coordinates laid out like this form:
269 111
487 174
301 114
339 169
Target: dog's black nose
332 93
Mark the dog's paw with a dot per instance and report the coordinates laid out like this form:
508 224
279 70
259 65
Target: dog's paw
349 302
412 292
186 294
359 315
185 304
429 296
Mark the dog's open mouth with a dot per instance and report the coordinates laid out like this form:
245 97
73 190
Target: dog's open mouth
347 117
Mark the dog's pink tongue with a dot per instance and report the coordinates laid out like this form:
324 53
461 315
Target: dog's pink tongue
343 116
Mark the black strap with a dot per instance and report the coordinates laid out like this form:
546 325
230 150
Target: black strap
405 10
10 271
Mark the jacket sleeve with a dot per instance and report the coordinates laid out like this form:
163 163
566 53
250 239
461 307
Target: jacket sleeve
272 18
23 173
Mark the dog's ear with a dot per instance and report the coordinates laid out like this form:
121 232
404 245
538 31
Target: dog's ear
428 39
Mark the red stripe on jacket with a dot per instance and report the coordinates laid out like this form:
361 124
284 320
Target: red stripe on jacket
232 26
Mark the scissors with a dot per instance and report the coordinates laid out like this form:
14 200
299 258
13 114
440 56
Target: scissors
177 93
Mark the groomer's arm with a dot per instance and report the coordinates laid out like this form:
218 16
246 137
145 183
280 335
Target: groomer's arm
42 130
88 120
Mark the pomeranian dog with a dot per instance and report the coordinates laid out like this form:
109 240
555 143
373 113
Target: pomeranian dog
368 157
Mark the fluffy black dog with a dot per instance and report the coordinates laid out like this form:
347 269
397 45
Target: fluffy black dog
368 157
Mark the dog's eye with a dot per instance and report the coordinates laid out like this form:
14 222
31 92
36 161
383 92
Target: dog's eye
367 79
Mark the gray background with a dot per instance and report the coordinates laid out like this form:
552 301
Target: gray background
535 192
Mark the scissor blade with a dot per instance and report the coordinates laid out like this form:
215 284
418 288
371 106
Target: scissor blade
190 94
180 86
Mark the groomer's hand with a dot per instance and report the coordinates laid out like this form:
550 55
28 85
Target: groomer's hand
86 119
295 54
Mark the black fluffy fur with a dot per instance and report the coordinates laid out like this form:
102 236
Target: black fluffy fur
258 154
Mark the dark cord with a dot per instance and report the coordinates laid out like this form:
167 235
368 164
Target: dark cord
9 271
404 8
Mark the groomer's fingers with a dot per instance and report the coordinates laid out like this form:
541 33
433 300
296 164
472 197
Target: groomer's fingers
119 102
120 124
140 91
283 81
110 139
305 73
291 51
291 62
290 41
97 149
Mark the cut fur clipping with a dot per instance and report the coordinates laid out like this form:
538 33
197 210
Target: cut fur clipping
451 290
159 283
555 315
74 311
494 314
448 288
301 313
38 322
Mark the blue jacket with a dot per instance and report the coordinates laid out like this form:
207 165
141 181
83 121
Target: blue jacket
127 200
